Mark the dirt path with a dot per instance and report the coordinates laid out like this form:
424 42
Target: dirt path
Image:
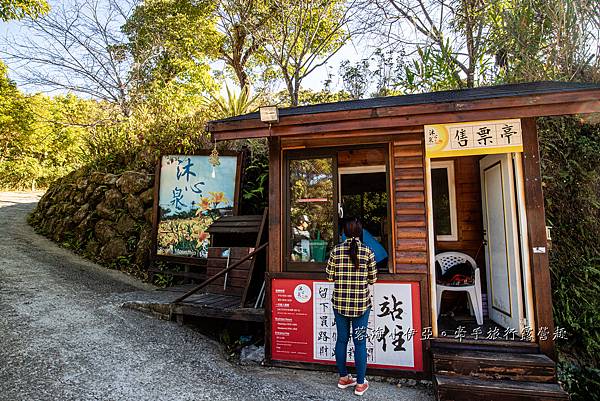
63 336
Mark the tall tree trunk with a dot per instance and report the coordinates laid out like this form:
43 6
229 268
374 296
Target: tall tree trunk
295 88
469 10
242 77
290 88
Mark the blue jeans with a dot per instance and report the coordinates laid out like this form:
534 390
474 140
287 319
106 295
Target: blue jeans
359 336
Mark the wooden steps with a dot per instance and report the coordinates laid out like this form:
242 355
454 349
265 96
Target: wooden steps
486 345
505 375
495 365
459 388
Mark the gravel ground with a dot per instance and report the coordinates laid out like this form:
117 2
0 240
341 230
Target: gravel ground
64 336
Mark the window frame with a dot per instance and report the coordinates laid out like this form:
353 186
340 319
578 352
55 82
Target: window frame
448 165
332 151
305 154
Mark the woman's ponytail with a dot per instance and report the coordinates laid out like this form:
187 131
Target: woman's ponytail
353 229
354 252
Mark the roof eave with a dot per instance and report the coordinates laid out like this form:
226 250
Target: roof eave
536 105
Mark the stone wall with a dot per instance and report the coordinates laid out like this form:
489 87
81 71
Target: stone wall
105 217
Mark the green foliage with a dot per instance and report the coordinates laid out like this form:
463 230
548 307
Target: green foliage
543 39
582 382
19 9
171 42
356 77
232 105
15 116
256 177
307 97
42 139
571 174
431 70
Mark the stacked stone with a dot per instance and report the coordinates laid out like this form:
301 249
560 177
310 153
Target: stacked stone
105 217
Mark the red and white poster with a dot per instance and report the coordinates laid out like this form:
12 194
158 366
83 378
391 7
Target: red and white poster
303 326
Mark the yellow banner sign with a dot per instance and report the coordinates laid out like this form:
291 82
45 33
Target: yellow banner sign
473 138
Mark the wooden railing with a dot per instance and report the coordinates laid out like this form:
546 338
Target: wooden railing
219 274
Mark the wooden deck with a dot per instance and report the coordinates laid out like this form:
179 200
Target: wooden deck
220 306
506 373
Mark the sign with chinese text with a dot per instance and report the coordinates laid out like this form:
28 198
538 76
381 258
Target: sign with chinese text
473 138
303 325
192 194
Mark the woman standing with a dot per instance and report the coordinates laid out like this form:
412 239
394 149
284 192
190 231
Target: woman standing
352 267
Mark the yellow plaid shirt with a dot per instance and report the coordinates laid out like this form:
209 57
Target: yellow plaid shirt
351 292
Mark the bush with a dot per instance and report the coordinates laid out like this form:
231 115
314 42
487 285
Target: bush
570 150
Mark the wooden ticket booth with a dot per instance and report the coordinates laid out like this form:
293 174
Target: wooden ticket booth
448 186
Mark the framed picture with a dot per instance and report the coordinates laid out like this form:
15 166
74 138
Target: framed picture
190 194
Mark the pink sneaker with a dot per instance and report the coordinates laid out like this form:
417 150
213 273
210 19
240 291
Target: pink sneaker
361 388
346 381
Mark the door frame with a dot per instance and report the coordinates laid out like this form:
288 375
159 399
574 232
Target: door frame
526 273
529 305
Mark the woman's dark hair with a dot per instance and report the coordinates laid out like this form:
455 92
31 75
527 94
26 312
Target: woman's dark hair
353 229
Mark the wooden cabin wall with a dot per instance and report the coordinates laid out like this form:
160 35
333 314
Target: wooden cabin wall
409 203
362 157
469 211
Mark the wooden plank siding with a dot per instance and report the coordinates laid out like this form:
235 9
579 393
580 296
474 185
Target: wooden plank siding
409 204
237 279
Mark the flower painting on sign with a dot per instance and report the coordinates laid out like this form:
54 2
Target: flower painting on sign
192 194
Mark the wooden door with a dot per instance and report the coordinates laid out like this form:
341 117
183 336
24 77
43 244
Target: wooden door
503 271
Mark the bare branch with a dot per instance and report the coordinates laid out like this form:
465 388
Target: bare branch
75 48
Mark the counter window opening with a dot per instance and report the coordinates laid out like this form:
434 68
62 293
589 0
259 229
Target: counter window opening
324 187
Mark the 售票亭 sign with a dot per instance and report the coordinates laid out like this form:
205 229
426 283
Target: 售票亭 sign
473 138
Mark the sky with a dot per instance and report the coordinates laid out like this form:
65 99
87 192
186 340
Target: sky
353 51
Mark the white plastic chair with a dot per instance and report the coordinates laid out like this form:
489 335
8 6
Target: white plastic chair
446 261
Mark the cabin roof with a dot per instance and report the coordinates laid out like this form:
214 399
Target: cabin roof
488 93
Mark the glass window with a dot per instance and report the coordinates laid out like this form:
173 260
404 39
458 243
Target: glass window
444 200
311 210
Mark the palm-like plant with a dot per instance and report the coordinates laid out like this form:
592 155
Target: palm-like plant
233 104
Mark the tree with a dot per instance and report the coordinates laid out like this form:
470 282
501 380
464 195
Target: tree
454 32
466 43
78 47
545 39
43 138
171 40
19 9
303 35
237 19
389 66
356 78
15 117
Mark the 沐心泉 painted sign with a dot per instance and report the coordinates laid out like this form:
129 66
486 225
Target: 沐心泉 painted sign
192 194
473 138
